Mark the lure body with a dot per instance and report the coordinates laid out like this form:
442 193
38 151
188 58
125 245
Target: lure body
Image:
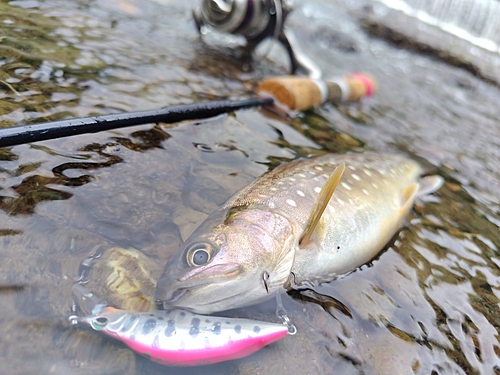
181 338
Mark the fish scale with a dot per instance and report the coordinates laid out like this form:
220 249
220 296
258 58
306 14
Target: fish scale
252 246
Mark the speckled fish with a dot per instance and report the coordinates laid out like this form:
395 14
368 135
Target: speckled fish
177 337
301 223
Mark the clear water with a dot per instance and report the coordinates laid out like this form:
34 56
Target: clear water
429 304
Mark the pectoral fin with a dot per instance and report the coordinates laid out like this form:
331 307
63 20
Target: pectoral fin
323 199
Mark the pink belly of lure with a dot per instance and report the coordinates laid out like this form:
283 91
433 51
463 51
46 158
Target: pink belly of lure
181 338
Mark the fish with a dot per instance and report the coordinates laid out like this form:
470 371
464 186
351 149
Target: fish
303 223
176 337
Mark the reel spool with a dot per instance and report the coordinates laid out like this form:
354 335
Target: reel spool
255 20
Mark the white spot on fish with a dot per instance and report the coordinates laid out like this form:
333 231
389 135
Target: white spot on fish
374 185
292 179
340 201
318 168
271 205
317 189
351 167
301 175
262 195
273 189
356 177
301 193
367 172
280 182
331 208
291 202
312 172
365 191
346 186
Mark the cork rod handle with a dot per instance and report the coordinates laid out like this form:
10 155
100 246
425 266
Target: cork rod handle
300 93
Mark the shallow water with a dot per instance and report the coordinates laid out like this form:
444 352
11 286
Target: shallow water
428 304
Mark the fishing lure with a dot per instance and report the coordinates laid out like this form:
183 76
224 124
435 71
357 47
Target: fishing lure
177 337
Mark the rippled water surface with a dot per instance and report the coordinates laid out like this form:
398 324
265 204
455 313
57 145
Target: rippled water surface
429 304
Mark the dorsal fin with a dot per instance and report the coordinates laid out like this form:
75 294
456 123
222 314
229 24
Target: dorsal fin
323 198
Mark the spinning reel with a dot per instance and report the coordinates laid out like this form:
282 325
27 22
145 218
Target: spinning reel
256 20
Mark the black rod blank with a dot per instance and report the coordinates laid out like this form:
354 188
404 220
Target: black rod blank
50 130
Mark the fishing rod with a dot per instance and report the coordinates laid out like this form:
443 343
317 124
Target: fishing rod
56 129
287 93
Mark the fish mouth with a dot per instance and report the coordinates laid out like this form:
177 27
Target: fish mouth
210 301
206 307
171 290
223 299
216 271
176 295
180 292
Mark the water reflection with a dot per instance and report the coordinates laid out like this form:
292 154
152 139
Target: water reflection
144 139
34 189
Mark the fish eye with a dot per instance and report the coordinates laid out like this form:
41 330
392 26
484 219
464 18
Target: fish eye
198 254
200 257
99 323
